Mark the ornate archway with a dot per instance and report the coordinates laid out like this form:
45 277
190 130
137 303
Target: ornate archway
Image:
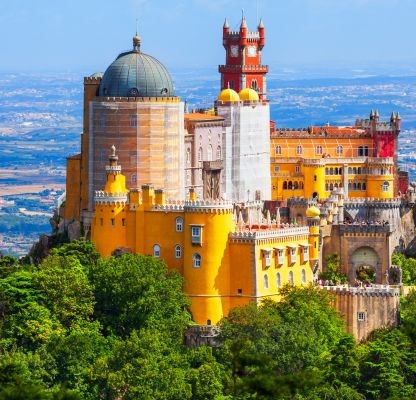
366 264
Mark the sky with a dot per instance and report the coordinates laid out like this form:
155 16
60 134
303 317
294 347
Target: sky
87 35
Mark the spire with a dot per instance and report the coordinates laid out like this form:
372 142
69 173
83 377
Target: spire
261 25
226 24
392 117
398 116
376 114
243 20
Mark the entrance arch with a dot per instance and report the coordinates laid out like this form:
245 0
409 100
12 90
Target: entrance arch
365 264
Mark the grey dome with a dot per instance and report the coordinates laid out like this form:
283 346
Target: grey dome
135 74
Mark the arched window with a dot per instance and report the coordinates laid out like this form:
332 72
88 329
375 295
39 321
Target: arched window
303 276
335 185
178 251
290 278
290 185
231 84
278 150
359 186
327 171
254 84
179 224
331 171
156 251
299 149
331 187
200 154
219 155
359 170
360 151
209 153
266 281
354 186
349 171
300 185
295 185
364 186
284 185
188 155
340 150
318 150
385 186
196 260
133 178
326 186
278 281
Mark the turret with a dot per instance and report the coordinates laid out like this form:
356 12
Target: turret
243 32
398 121
225 32
260 29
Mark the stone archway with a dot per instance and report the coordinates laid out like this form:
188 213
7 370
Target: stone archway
365 261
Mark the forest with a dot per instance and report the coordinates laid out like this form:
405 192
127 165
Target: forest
78 326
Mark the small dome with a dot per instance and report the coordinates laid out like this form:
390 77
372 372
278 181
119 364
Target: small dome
135 74
228 95
97 75
313 212
248 94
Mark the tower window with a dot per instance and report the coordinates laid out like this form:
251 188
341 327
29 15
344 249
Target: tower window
290 278
219 153
196 260
196 234
156 251
209 153
133 178
318 150
299 150
231 84
278 150
188 155
297 169
385 186
113 222
254 84
303 276
200 154
266 281
340 150
179 224
278 281
178 251
361 316
133 120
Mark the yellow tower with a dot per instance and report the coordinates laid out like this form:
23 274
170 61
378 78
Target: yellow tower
206 271
314 171
108 230
313 215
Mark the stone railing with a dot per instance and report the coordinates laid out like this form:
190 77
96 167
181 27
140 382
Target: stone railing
270 233
365 228
373 290
102 197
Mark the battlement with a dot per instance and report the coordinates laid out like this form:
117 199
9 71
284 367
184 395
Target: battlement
212 206
236 35
284 232
101 197
365 229
374 290
92 80
243 68
372 202
113 169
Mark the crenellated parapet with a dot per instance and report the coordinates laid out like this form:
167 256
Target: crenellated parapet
365 229
106 198
92 80
282 233
209 206
372 203
376 290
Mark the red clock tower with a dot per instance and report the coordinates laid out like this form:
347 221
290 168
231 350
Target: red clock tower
243 59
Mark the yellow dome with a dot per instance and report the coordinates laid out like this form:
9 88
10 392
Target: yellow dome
248 94
228 95
313 212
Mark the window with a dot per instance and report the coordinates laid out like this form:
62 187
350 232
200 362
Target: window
385 187
200 154
292 254
266 281
254 84
278 150
280 258
340 150
284 185
219 153
299 149
179 224
123 222
196 235
277 168
178 251
297 168
318 150
133 178
133 120
305 253
303 276
231 84
266 258
209 153
101 221
156 251
113 222
188 155
278 281
361 316
362 151
290 278
196 260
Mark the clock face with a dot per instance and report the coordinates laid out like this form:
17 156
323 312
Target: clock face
234 51
251 51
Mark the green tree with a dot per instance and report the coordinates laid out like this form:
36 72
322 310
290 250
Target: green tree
333 270
84 251
408 266
68 292
135 291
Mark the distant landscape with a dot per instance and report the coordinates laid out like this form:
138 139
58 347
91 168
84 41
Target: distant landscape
41 122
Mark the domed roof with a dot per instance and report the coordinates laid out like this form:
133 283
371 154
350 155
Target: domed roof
313 212
228 95
248 94
135 74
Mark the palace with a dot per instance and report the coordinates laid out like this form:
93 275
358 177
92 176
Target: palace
191 188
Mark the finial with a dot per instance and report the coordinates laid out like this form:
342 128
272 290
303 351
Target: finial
261 25
113 151
113 157
136 43
226 23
